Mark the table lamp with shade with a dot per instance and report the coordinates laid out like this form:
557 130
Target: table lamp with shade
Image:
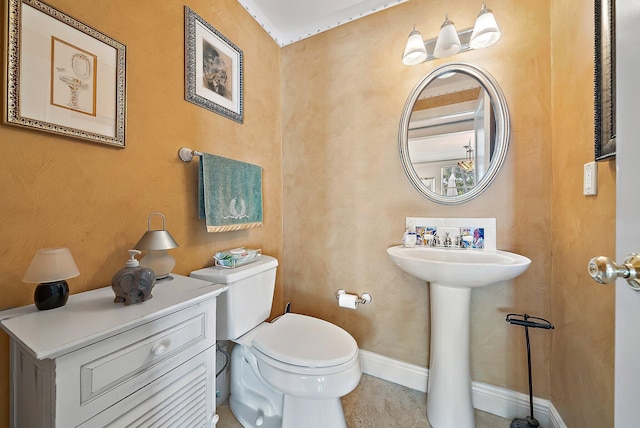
156 243
50 268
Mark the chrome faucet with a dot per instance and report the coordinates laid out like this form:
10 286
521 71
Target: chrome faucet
447 240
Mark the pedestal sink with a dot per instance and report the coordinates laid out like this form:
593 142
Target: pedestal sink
452 274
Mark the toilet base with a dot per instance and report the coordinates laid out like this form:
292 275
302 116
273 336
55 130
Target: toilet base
308 413
250 417
252 401
267 393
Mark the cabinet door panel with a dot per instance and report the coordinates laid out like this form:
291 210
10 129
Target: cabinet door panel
183 397
96 377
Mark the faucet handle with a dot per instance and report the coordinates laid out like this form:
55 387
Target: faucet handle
447 240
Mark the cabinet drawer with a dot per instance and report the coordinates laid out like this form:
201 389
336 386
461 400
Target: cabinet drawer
124 362
116 367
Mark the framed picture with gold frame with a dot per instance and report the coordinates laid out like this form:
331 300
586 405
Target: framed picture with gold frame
63 76
213 69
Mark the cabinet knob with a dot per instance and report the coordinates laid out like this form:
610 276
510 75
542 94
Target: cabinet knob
158 349
213 419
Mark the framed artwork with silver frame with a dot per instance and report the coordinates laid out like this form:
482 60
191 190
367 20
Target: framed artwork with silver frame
214 69
63 76
605 80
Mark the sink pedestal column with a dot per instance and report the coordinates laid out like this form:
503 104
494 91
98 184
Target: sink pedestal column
449 402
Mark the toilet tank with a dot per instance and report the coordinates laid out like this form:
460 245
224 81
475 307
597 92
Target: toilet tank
247 303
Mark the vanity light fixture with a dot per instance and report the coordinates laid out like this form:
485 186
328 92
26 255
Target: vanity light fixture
450 42
156 243
50 268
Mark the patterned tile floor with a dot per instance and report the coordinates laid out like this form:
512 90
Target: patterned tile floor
376 403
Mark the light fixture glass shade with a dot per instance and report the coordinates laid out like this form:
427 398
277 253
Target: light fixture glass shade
51 264
415 51
448 42
485 31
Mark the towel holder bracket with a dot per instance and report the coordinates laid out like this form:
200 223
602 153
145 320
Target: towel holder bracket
185 154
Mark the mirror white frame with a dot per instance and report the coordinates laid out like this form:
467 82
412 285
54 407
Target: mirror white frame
502 130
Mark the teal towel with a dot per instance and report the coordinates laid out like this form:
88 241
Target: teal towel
229 194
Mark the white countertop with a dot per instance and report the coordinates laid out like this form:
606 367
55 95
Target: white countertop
91 316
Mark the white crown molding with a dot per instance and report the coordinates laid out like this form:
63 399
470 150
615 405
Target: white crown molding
307 25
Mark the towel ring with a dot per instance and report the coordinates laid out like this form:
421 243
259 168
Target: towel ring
185 154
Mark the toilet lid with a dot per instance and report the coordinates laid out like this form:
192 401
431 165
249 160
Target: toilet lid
306 341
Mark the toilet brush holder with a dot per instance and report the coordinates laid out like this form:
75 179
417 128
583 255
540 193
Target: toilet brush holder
527 321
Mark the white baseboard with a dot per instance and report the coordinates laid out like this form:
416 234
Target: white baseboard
488 398
396 371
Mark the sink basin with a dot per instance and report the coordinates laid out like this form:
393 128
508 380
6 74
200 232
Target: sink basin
457 267
453 274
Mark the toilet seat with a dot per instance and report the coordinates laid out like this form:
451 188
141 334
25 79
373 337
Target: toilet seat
306 371
300 343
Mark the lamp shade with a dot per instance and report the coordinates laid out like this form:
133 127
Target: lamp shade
156 239
51 264
415 51
50 268
485 31
157 242
448 42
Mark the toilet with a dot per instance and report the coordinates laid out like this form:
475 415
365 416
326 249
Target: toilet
289 373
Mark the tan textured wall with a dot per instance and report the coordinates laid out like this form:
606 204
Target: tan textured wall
95 199
583 227
346 195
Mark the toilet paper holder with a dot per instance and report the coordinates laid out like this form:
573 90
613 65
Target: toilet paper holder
363 299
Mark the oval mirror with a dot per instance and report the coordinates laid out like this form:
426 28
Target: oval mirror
454 133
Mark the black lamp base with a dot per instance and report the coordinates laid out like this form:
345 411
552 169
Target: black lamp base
51 295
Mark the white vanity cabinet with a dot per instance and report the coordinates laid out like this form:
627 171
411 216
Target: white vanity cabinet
95 363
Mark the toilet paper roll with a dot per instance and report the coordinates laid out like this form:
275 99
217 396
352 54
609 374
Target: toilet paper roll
348 301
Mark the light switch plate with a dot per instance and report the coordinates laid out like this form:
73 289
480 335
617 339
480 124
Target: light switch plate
590 186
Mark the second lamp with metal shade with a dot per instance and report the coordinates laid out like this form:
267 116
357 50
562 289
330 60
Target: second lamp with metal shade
156 243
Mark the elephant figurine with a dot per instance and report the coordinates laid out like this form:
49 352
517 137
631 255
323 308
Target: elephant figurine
133 285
